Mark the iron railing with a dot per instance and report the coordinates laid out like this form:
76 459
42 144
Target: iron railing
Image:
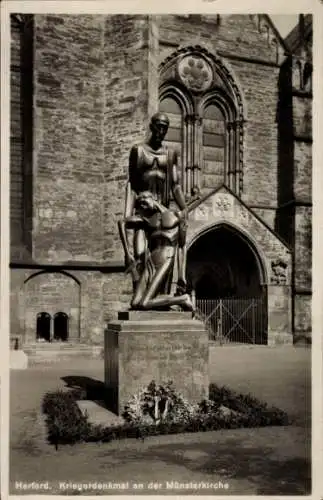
234 320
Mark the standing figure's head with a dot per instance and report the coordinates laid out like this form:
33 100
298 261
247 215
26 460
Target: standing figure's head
159 124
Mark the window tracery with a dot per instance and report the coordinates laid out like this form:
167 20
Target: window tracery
206 120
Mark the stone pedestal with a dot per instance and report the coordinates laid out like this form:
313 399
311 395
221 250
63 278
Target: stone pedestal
161 346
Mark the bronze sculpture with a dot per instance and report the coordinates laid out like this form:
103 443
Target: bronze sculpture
159 233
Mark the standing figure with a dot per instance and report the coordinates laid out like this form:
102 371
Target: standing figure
153 168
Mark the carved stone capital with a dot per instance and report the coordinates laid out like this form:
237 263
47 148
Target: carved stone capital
232 125
194 119
279 270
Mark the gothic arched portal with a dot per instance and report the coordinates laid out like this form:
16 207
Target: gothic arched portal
221 264
227 277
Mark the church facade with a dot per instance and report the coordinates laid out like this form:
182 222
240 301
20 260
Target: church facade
239 100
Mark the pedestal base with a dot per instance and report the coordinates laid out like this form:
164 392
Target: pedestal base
160 346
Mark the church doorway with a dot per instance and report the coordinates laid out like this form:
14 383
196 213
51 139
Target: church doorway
225 273
43 327
61 327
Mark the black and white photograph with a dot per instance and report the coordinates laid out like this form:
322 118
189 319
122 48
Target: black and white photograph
160 261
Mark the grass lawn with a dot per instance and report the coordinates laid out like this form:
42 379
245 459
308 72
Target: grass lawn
272 461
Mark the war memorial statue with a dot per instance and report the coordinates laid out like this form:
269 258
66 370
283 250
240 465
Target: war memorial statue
157 338
159 241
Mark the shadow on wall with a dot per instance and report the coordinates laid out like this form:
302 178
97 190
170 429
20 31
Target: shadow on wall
284 223
21 135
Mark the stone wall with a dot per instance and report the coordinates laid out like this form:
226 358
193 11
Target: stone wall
95 86
16 139
68 137
17 303
89 298
303 171
302 120
303 248
302 115
279 315
302 316
239 36
51 293
259 84
267 215
243 35
91 104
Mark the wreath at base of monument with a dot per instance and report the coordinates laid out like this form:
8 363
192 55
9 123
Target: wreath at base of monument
159 403
157 410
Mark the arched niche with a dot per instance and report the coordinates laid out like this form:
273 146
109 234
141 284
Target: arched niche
43 327
61 326
53 292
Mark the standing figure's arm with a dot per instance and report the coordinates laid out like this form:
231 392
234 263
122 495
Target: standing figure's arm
180 200
131 184
175 185
125 242
181 249
130 200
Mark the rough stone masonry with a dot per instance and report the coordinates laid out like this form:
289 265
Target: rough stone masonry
96 81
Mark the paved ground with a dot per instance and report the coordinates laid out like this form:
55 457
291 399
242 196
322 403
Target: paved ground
260 461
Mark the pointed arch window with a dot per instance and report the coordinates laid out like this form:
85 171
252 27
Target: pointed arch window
206 121
213 147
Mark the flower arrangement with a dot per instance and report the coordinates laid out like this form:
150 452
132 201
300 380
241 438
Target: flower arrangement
158 403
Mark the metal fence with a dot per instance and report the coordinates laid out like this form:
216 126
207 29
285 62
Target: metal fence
234 320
